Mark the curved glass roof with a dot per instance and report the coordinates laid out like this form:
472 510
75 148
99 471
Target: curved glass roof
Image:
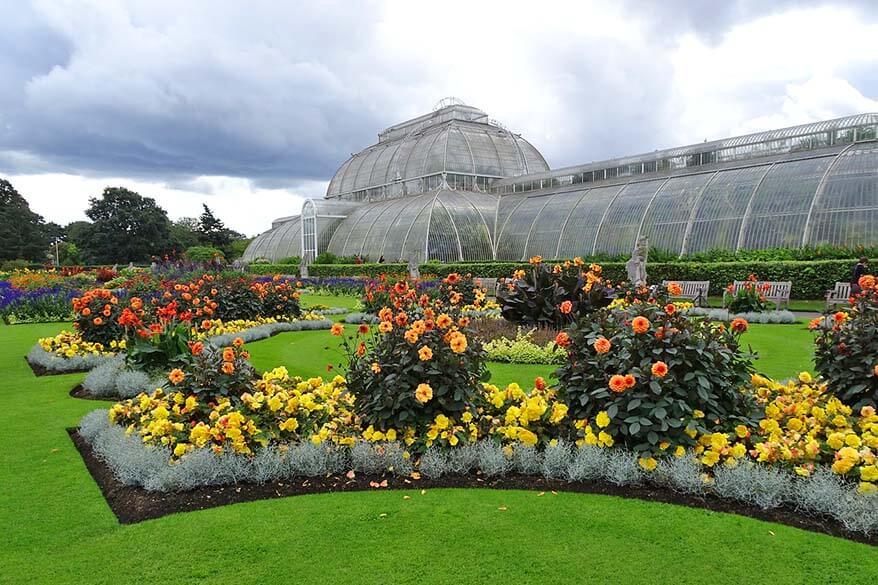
806 137
281 241
443 225
455 139
828 198
756 191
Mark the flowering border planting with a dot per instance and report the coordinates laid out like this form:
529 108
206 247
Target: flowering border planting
129 471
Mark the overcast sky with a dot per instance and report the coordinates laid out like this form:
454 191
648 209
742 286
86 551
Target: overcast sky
251 106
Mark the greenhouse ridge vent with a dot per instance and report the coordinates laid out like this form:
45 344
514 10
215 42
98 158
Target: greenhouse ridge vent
456 185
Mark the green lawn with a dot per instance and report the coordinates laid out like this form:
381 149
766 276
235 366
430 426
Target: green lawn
58 529
782 350
346 302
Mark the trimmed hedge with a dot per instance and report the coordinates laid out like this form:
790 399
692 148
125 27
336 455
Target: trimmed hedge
285 269
810 279
371 270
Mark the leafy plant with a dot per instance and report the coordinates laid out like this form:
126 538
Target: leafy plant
421 363
547 296
96 315
846 352
651 379
749 298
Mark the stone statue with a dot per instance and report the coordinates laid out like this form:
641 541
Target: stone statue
636 266
414 264
414 271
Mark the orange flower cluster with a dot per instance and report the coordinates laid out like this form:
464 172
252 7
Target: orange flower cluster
619 383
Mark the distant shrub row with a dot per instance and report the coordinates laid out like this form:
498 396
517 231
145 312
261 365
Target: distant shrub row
811 279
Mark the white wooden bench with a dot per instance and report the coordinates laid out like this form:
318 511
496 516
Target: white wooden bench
696 290
777 292
489 284
840 295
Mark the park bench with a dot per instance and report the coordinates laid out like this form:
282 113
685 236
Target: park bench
840 295
696 290
777 292
489 284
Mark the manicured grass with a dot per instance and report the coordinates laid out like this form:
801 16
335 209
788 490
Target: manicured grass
346 302
782 350
58 529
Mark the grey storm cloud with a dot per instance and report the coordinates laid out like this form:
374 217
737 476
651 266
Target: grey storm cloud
281 93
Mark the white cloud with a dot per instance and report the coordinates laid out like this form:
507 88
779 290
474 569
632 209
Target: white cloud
63 198
774 71
212 100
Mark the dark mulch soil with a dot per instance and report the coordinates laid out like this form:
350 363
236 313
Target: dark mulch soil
81 393
39 370
134 504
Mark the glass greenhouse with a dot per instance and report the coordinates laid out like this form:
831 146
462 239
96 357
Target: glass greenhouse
456 185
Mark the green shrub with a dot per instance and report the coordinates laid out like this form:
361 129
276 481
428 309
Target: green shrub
11 265
290 260
523 350
547 296
846 352
203 254
653 379
811 279
283 269
362 270
420 363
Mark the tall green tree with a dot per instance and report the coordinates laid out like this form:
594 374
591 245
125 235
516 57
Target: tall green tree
213 232
185 234
126 227
23 233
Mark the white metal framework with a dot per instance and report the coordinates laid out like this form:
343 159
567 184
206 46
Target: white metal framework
453 185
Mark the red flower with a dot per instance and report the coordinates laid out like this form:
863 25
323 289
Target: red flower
566 307
739 325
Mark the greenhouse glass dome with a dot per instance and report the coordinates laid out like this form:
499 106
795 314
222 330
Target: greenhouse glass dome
455 185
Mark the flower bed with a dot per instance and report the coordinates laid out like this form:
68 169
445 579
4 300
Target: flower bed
762 317
819 502
646 397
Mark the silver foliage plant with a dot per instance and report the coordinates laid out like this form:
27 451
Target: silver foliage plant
358 318
133 463
38 356
765 317
113 379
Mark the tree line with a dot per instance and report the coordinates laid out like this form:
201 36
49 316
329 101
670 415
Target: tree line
124 227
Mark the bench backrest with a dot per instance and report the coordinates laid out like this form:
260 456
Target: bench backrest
489 284
774 289
842 290
691 288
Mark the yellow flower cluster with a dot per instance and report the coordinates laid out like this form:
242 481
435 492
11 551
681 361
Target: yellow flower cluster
69 344
805 424
622 303
594 435
219 327
443 430
279 408
526 417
